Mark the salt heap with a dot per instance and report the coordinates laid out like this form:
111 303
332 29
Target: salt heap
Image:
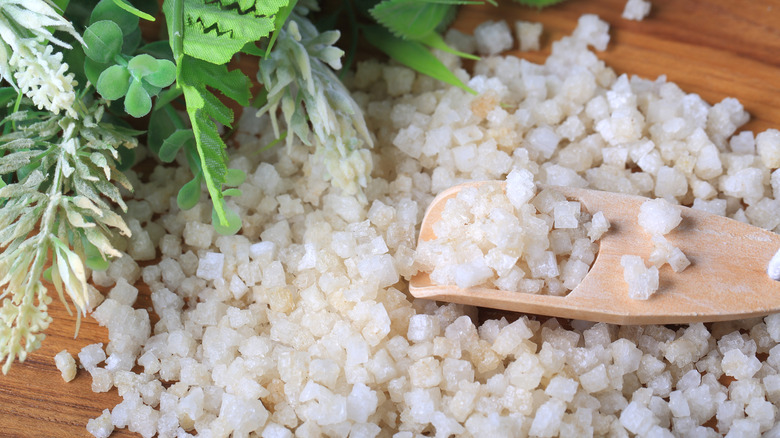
514 239
303 325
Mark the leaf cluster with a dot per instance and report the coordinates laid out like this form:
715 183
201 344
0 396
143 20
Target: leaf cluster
112 64
60 175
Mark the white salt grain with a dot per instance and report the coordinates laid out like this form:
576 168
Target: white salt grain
636 10
658 216
528 35
66 365
493 37
642 282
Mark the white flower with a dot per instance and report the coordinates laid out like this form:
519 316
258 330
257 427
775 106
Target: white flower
41 76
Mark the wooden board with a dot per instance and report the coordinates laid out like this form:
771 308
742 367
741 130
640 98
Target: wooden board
716 48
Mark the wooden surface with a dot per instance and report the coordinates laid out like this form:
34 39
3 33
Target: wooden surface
716 48
726 279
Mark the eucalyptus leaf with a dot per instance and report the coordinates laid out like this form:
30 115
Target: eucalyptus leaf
103 41
234 177
142 65
138 103
108 10
163 75
113 82
93 69
171 145
232 192
189 194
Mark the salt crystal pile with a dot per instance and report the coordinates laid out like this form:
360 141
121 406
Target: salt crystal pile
302 325
516 240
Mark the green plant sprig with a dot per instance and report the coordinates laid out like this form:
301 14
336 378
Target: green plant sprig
62 170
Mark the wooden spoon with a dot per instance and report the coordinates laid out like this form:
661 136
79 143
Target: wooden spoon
726 279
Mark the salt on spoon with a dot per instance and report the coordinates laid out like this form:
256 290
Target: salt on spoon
727 278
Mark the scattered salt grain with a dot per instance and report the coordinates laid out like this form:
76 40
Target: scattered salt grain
658 216
528 34
493 37
636 10
66 365
642 282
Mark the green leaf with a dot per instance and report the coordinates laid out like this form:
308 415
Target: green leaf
142 65
217 30
103 41
160 127
411 19
126 158
93 69
159 49
279 20
113 82
167 97
7 95
233 84
131 42
228 227
234 177
189 194
232 192
129 8
164 74
108 10
413 55
217 110
171 145
137 102
437 42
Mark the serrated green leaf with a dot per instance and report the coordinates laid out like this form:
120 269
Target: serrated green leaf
410 19
234 177
103 41
108 10
217 110
113 82
189 194
171 145
137 101
215 31
437 42
233 84
413 55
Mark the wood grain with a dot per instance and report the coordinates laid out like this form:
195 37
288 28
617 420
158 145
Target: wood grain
716 48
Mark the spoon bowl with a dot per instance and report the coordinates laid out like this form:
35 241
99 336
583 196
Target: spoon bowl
726 279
